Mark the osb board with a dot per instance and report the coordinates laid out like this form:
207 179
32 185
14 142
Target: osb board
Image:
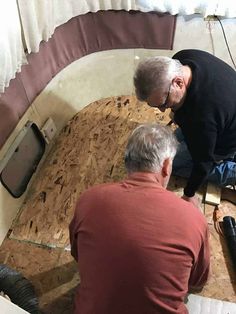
222 281
89 151
53 273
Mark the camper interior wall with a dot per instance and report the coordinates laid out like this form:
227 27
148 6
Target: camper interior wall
105 74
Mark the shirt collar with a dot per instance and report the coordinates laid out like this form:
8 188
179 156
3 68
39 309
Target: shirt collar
148 179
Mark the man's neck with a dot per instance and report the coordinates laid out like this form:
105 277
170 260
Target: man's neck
151 177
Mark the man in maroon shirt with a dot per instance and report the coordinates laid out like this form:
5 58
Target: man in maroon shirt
139 247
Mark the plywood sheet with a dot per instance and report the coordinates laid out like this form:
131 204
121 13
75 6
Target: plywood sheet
88 151
53 273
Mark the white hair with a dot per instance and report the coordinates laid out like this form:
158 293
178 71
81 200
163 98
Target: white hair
155 73
148 147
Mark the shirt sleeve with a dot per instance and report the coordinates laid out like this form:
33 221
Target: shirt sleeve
81 210
201 268
199 174
201 142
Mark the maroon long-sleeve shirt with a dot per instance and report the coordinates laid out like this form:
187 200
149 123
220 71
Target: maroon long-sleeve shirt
139 248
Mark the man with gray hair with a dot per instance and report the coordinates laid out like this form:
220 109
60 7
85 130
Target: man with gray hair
140 248
200 90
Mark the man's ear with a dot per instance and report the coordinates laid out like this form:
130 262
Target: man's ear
166 168
178 81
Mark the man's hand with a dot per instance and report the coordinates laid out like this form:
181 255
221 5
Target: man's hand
194 200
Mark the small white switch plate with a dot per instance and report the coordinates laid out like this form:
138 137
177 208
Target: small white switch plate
49 130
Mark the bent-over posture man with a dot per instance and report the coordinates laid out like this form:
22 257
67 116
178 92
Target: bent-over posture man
139 247
200 89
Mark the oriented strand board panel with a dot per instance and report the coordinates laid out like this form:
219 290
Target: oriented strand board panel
53 273
89 151
222 281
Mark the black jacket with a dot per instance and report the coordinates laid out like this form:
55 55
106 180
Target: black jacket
208 115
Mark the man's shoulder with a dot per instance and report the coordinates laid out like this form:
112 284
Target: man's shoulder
191 52
183 206
100 188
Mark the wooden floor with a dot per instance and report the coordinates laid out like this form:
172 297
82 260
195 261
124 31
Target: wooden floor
53 273
90 151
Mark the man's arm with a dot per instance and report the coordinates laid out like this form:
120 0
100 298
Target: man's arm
81 209
201 268
201 142
199 174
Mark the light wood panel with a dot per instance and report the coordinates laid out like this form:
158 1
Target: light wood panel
213 194
90 151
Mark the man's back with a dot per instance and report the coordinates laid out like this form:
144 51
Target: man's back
207 118
209 110
139 248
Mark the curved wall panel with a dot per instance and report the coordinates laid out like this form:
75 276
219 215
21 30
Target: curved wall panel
95 76
78 37
111 70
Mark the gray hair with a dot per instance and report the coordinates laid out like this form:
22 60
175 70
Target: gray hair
155 73
148 147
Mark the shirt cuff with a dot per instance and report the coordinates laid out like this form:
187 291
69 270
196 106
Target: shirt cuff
189 192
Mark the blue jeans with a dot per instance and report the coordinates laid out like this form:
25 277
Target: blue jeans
223 174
